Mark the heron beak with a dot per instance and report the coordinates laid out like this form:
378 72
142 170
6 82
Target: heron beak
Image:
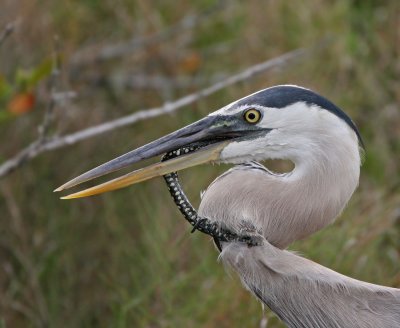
213 131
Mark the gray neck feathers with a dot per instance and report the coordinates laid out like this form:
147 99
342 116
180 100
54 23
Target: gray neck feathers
305 294
289 207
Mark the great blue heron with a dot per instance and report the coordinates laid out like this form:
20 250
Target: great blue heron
254 214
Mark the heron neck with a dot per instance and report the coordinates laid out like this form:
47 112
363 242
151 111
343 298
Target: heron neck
305 294
321 185
287 207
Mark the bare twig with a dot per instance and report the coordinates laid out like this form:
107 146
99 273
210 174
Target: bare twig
43 129
189 21
8 29
36 148
11 164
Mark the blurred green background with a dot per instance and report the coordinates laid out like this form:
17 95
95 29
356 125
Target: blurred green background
126 259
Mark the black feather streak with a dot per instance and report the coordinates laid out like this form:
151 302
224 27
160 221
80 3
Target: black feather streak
285 95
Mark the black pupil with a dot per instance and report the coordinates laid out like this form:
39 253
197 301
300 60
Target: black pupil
251 116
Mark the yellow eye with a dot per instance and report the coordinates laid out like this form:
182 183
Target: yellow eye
252 116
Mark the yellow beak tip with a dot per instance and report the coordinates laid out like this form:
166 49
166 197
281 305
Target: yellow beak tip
67 197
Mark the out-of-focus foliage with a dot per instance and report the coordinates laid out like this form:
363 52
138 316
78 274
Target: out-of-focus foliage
17 97
126 259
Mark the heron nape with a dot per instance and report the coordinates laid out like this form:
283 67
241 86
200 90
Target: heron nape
253 214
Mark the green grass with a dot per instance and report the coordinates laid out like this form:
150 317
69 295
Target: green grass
127 259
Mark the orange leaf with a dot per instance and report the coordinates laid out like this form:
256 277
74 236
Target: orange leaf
21 103
191 62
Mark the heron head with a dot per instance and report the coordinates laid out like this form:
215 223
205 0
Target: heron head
273 123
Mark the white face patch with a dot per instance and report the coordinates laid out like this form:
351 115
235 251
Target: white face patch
301 124
238 152
298 130
244 151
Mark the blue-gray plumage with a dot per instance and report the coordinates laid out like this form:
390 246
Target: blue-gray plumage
283 122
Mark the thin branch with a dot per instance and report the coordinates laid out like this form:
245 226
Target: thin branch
24 155
8 29
250 72
36 148
43 130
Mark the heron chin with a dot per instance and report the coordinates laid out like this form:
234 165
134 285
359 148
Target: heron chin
271 210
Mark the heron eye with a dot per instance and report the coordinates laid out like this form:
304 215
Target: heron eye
252 116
